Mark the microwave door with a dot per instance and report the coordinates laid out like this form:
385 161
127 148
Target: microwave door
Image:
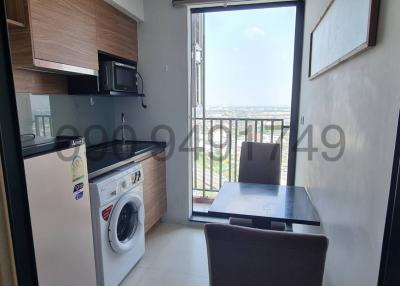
125 78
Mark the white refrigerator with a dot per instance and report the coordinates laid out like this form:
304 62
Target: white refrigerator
59 203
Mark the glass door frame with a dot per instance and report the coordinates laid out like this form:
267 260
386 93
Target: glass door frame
296 80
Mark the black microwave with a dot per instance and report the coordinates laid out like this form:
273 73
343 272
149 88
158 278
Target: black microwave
118 77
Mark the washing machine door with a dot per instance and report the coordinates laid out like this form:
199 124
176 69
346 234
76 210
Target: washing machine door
127 219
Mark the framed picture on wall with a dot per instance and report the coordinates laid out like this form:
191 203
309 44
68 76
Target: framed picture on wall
345 29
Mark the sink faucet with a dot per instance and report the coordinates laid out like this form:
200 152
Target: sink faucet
123 128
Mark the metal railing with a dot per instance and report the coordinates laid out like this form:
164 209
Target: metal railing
43 125
217 143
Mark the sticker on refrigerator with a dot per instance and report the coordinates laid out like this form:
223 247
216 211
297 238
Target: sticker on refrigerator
78 169
78 191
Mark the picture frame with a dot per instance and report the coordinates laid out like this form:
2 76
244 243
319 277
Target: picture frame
345 29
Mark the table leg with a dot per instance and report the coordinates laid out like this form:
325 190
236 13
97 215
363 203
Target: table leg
289 227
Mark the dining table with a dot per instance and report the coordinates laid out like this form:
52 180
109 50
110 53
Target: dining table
264 204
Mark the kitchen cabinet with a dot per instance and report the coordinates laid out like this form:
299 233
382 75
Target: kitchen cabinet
7 269
26 81
57 35
154 189
116 32
15 13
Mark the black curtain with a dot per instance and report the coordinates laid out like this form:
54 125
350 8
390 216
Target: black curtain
389 273
178 3
13 167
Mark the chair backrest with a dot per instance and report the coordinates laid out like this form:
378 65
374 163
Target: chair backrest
260 163
240 256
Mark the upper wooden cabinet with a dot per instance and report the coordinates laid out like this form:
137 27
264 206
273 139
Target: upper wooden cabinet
15 13
57 35
64 36
27 81
116 32
64 31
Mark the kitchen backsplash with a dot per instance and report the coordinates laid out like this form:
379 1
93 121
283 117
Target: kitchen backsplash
52 115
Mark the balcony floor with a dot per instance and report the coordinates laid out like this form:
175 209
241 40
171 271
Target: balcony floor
201 207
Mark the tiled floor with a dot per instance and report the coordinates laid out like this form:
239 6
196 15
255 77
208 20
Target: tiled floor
176 255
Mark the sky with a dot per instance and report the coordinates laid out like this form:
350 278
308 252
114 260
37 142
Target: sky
249 57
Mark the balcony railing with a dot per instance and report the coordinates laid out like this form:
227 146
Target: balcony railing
43 125
217 143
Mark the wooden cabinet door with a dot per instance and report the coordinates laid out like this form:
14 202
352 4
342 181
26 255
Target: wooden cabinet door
27 81
116 32
7 269
154 189
15 13
64 31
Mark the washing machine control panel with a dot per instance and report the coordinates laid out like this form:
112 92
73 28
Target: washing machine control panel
135 178
119 181
130 181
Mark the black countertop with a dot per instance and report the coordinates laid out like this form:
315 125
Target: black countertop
100 158
107 156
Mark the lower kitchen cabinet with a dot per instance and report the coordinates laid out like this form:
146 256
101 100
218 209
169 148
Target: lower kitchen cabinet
154 189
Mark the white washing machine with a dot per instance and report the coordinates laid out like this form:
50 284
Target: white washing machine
118 222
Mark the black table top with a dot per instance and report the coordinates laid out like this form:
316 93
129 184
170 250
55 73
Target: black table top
256 201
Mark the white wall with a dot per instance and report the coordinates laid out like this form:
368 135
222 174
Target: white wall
132 8
362 96
163 41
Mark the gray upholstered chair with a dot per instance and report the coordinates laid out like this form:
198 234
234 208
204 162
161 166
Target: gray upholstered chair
260 163
240 256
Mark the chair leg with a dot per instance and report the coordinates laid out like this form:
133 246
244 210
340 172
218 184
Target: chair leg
241 222
289 227
278 226
262 223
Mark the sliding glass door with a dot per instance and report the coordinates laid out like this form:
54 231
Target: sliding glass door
243 73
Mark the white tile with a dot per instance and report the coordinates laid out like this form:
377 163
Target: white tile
150 277
175 255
